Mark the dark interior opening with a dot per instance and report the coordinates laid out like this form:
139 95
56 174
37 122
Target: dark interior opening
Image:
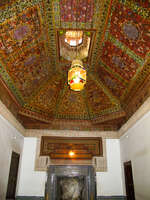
70 182
71 188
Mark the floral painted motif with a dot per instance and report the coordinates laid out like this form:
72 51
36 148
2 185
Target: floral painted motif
5 2
76 10
144 3
72 105
115 86
46 98
118 61
19 31
28 70
98 101
131 29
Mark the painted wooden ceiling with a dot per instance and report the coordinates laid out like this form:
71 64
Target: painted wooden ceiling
34 61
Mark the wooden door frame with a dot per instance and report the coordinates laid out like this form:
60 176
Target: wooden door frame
128 163
18 156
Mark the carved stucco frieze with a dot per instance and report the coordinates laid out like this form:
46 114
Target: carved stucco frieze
42 162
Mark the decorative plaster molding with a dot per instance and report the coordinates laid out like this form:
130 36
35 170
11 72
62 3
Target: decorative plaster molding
70 133
100 163
10 118
42 162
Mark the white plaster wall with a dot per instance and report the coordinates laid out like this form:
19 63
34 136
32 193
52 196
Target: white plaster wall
135 146
110 183
31 183
10 140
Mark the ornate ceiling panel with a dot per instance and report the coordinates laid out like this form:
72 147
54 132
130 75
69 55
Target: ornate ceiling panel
72 105
46 99
24 64
76 11
125 49
131 29
99 102
35 59
119 62
114 84
5 2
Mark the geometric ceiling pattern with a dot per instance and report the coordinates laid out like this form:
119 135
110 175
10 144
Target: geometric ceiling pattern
35 59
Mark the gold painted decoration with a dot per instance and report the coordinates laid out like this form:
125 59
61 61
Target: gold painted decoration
77 76
38 40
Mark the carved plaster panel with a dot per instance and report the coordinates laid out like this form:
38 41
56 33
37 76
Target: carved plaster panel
42 162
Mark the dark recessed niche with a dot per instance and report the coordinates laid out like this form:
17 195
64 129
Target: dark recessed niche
71 182
71 187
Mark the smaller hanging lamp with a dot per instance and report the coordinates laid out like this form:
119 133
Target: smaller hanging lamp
77 76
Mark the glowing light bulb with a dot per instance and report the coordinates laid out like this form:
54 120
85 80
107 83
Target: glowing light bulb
77 80
71 153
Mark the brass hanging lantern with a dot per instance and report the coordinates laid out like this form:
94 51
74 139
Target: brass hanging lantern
77 76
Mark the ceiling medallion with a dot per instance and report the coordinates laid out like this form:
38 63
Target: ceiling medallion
77 75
